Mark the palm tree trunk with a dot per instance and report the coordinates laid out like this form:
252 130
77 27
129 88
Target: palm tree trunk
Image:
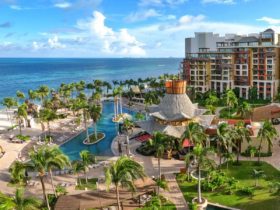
86 127
159 171
50 172
44 192
19 125
199 186
118 197
238 152
260 146
95 130
86 176
121 103
49 128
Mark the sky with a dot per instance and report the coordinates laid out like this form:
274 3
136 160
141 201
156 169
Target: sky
123 28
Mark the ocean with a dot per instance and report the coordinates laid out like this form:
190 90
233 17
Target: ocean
29 73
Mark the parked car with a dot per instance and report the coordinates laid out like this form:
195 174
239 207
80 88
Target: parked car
275 121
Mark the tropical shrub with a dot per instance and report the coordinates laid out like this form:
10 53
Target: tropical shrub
247 191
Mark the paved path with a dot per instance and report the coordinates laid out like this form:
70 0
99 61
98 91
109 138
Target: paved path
168 168
174 194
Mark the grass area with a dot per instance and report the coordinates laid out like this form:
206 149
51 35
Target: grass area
262 198
91 185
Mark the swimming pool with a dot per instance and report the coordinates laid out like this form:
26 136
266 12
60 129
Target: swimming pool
105 125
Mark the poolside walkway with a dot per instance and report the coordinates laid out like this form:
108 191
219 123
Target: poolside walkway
168 168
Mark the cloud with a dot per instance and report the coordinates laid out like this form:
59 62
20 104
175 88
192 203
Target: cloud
160 3
63 5
52 43
218 1
104 38
16 7
142 15
269 20
6 25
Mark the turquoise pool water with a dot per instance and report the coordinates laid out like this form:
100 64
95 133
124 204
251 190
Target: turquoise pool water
105 125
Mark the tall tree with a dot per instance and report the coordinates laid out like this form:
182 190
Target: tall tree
195 133
9 103
223 139
123 172
21 115
86 160
42 92
95 114
231 100
56 160
38 162
199 156
244 109
47 115
241 134
157 142
266 133
19 201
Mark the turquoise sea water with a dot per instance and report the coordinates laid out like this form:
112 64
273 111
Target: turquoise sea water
105 125
29 73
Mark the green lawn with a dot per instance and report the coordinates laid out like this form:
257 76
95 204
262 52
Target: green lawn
91 185
262 199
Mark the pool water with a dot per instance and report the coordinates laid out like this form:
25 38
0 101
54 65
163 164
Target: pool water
73 147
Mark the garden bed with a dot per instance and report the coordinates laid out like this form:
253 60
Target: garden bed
93 140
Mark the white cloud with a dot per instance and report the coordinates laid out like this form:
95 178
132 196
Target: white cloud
269 20
173 33
63 5
160 3
118 43
142 15
219 1
16 7
52 43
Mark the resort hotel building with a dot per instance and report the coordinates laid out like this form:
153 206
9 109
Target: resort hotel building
214 62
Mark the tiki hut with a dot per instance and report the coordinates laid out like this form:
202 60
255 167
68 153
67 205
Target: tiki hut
174 112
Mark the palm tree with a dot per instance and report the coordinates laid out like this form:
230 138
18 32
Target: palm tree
123 172
95 114
56 159
241 133
223 139
157 142
266 133
9 103
17 172
195 134
77 167
21 115
39 162
199 157
43 92
257 174
244 109
231 99
116 102
20 95
228 157
47 115
86 160
127 127
19 201
32 95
